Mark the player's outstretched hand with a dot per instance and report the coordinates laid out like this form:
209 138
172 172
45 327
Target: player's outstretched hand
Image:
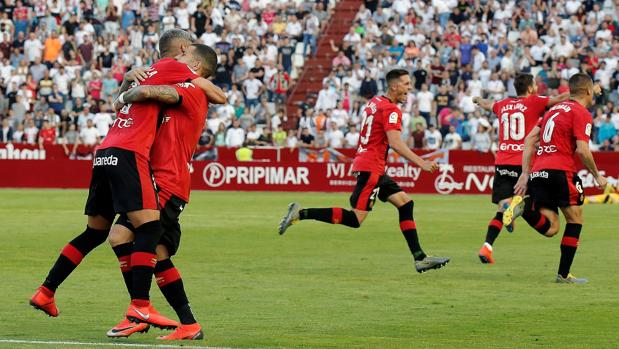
521 186
136 74
602 182
429 166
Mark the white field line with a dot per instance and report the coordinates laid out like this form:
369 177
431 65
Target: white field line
104 344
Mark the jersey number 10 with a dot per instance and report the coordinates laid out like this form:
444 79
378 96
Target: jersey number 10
513 126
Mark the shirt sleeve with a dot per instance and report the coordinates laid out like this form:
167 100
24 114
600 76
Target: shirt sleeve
540 103
185 93
582 123
495 108
392 119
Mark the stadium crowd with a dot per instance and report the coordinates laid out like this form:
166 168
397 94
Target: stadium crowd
62 62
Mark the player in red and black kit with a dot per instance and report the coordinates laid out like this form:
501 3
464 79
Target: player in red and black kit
517 117
552 181
380 130
170 158
122 183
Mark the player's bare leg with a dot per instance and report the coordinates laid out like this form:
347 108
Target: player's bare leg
494 228
334 215
569 244
408 227
71 256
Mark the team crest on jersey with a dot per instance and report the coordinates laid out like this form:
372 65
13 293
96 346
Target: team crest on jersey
393 118
588 130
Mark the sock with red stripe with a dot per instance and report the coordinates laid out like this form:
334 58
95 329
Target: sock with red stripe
123 253
143 260
494 228
535 218
72 255
171 285
334 215
569 244
409 230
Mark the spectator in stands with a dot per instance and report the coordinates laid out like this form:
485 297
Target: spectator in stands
252 89
426 104
351 140
47 135
235 136
452 140
607 131
481 140
416 139
433 138
6 134
334 136
306 140
31 132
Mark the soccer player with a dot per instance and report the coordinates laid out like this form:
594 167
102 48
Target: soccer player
170 157
552 181
380 129
517 117
121 183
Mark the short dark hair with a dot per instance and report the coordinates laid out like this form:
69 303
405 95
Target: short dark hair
165 42
579 83
522 82
395 74
207 57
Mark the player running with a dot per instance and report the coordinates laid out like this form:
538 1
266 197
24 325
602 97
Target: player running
552 181
380 130
122 183
517 117
170 158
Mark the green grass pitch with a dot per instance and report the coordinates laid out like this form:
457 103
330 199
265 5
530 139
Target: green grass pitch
321 286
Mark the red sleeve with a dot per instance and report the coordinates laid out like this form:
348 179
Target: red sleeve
392 119
582 123
185 92
539 103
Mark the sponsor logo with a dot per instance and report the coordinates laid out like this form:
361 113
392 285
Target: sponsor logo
511 147
123 123
105 161
9 152
539 174
445 183
393 118
506 172
548 149
216 175
588 130
145 316
588 181
185 84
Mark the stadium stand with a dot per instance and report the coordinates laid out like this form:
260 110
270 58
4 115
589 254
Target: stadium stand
290 65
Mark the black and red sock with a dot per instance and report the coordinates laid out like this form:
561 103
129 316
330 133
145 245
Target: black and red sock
569 244
171 285
72 255
535 218
494 228
333 215
143 260
123 253
409 230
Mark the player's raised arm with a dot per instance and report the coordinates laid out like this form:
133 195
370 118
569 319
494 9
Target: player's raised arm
483 103
214 94
558 99
530 143
160 93
396 143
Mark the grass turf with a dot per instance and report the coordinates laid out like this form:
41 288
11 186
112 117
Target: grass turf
321 286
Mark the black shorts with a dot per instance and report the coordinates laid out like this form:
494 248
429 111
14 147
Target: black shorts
505 178
171 237
555 188
121 182
369 187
